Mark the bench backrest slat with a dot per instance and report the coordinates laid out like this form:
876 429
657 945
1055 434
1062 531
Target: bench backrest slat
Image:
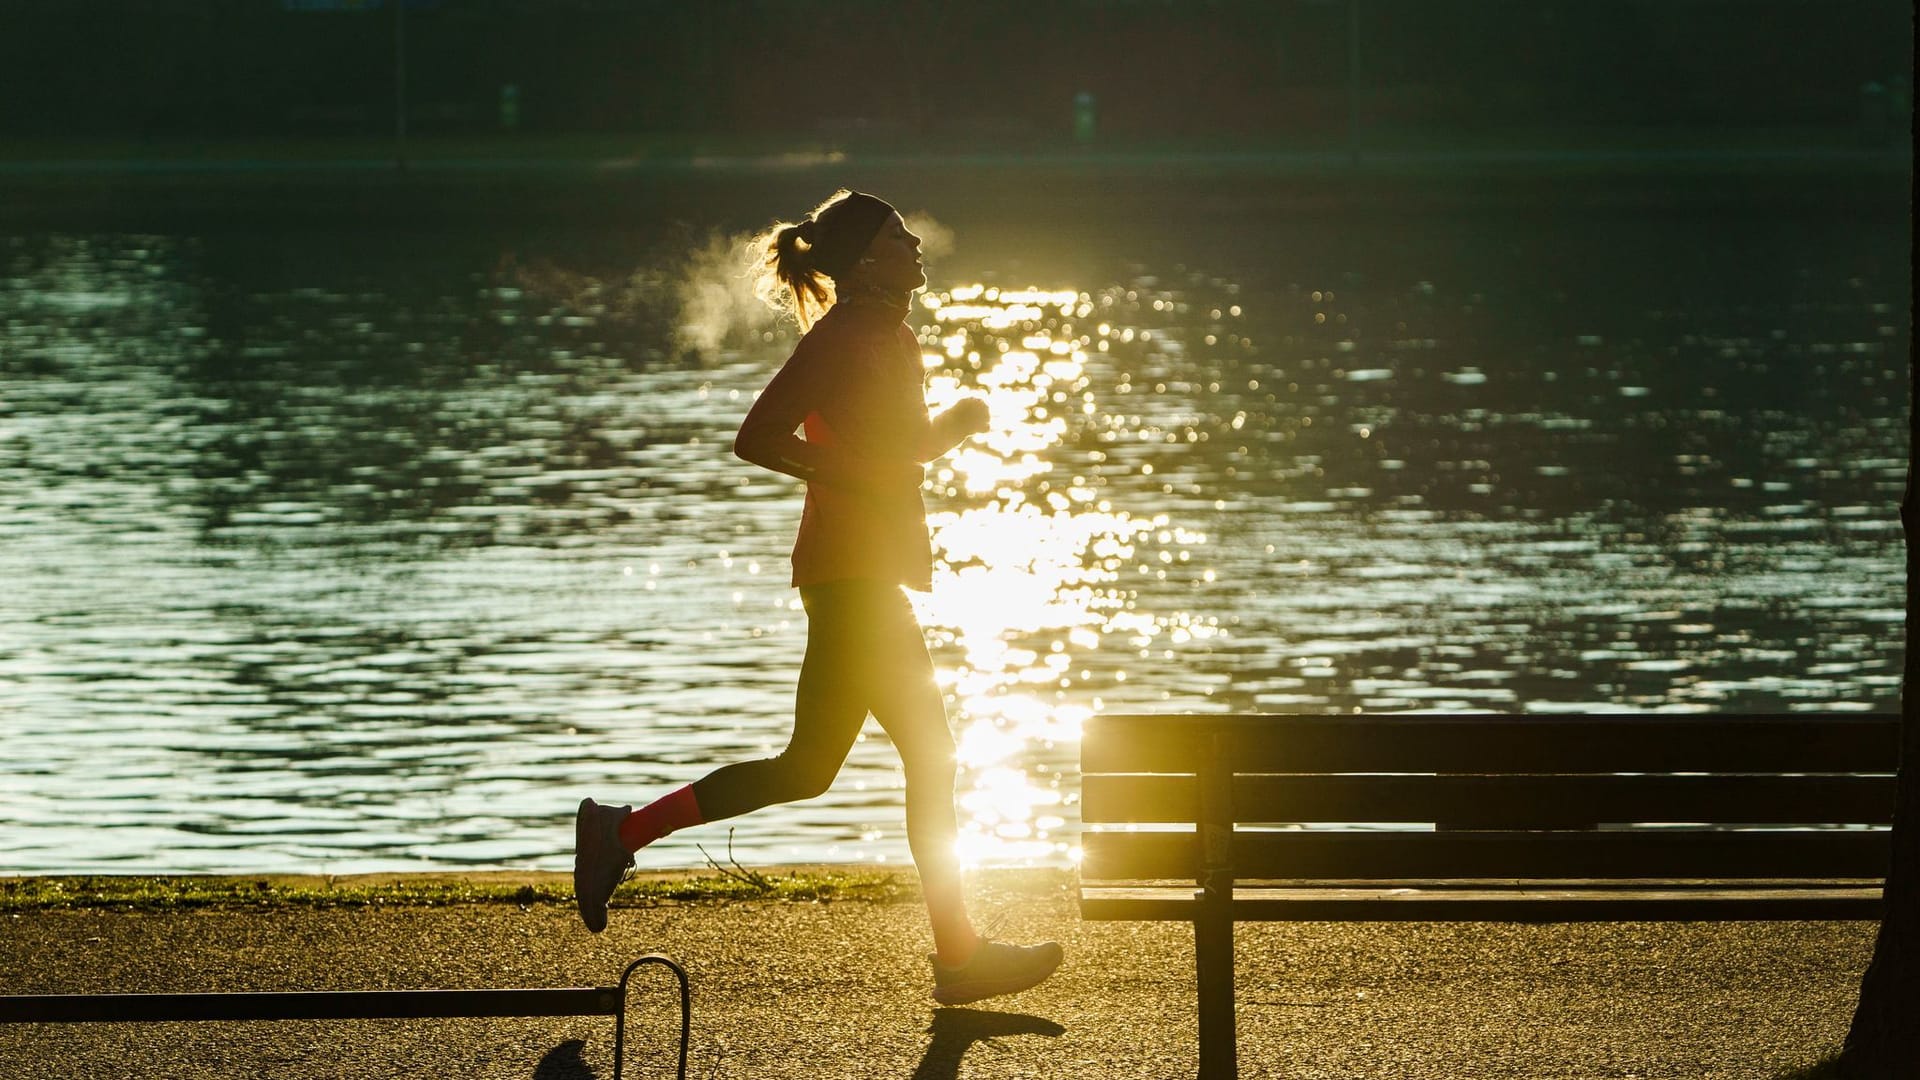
1609 797
1390 855
1493 801
1496 744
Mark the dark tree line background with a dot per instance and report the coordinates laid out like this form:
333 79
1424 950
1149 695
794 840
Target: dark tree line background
1004 70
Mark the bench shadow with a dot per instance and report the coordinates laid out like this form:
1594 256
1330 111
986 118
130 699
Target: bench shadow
955 1030
565 1062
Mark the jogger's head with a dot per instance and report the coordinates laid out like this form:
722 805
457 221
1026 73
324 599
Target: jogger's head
852 239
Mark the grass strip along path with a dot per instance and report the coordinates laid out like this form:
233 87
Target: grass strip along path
268 891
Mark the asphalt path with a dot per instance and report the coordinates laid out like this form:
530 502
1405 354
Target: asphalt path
824 990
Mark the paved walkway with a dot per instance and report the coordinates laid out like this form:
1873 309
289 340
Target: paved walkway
808 990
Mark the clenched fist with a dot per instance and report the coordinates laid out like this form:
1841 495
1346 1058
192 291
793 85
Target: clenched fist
971 415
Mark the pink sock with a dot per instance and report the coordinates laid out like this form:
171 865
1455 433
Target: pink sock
671 812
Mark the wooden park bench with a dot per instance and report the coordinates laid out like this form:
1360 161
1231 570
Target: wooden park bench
357 1005
1219 819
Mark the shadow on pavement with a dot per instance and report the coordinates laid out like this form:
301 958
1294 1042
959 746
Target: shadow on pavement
565 1062
954 1030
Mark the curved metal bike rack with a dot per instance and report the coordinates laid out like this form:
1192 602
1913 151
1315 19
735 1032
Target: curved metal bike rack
357 1005
686 1012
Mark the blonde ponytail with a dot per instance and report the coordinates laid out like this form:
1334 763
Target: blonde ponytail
786 276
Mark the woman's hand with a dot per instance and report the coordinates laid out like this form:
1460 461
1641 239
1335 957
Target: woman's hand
971 416
963 419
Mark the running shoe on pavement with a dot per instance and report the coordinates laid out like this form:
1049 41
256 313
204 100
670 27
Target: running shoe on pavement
996 968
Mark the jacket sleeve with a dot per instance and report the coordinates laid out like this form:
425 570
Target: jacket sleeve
766 437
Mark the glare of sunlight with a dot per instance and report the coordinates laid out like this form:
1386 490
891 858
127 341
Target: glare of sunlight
984 743
1000 819
1028 563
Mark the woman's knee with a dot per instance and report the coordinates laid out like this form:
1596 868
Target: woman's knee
797 777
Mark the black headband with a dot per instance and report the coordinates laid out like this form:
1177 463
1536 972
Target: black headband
850 226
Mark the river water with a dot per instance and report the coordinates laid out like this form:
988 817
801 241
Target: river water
336 553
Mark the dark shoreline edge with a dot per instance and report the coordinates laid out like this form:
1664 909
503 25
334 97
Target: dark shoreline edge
167 195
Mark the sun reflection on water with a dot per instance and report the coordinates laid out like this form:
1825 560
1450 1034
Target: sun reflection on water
1029 559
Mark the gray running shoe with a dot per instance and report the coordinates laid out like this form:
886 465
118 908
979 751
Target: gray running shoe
600 860
996 968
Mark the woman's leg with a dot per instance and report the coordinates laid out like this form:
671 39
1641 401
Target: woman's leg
824 728
829 707
907 703
966 967
828 712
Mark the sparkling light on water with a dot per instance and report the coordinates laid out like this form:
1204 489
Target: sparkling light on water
1029 572
380 563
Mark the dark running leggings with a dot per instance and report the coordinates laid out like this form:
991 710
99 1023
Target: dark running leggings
865 654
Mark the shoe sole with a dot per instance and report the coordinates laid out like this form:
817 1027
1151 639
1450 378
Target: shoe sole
582 835
967 993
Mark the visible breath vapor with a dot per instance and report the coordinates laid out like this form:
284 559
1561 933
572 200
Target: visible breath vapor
716 303
705 291
936 240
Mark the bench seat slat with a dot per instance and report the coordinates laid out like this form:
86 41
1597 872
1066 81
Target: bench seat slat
1497 744
1519 901
1498 854
1483 800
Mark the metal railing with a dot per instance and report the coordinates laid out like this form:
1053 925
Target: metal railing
357 1005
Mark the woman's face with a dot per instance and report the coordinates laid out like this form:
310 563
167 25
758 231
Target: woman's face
892 260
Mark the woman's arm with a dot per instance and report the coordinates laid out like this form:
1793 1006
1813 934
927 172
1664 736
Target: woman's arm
966 418
766 438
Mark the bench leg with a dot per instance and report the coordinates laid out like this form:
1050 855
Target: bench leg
1213 955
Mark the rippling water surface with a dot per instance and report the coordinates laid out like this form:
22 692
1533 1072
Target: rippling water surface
357 553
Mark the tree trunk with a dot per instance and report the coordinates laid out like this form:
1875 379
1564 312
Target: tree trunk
1884 1041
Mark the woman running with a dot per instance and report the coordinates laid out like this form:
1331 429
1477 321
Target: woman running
855 384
